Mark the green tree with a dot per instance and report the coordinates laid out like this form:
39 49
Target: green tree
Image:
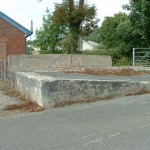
78 18
94 35
117 32
124 37
48 36
139 15
109 30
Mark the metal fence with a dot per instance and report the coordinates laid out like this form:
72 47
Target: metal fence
141 57
2 69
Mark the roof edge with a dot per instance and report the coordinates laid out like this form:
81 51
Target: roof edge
16 24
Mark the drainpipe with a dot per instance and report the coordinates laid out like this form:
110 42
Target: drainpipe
29 34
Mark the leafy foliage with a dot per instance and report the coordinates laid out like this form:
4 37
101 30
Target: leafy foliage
48 36
76 16
93 36
116 32
124 31
140 21
73 19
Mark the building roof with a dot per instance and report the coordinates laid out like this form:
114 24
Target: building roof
15 24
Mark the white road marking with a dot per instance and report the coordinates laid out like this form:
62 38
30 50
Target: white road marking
94 141
147 118
144 126
84 137
114 135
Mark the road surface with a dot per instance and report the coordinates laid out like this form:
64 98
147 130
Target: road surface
118 124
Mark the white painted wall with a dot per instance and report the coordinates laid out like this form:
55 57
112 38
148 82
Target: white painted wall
89 45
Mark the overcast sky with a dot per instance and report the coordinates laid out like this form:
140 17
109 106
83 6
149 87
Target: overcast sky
23 11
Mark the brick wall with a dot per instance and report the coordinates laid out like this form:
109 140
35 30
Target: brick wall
15 39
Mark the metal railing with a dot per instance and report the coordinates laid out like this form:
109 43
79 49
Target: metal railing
3 70
141 57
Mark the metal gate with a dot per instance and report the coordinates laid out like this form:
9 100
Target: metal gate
141 57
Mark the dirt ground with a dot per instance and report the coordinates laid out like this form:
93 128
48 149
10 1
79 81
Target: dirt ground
127 71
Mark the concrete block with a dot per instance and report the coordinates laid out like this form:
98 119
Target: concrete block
47 90
59 62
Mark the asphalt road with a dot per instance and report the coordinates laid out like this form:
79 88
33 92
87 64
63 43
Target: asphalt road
119 124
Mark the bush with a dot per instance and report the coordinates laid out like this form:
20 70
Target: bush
117 58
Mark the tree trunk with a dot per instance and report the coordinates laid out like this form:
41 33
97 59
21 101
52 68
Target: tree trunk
75 27
81 4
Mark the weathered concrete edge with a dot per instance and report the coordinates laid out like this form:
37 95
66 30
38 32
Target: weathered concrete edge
47 90
28 84
75 90
57 62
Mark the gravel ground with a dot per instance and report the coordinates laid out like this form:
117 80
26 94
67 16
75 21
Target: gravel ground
62 76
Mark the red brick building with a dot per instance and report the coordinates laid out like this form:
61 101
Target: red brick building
12 37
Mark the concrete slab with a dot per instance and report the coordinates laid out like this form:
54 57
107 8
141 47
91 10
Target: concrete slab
48 88
61 75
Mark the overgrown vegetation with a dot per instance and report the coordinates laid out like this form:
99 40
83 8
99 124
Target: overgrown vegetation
118 34
111 71
48 36
25 104
117 58
68 103
70 20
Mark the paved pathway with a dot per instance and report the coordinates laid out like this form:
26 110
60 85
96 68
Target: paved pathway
6 100
119 124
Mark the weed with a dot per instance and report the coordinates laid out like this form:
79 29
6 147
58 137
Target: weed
25 104
111 71
70 102
140 92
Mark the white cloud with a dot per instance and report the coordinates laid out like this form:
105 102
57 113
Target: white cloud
23 11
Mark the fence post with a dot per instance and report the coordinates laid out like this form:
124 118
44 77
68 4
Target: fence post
1 70
133 53
4 70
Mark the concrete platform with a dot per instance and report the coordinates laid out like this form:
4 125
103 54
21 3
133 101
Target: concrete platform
48 88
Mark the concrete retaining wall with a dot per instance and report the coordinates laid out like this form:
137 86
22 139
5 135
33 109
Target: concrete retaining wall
47 90
59 62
